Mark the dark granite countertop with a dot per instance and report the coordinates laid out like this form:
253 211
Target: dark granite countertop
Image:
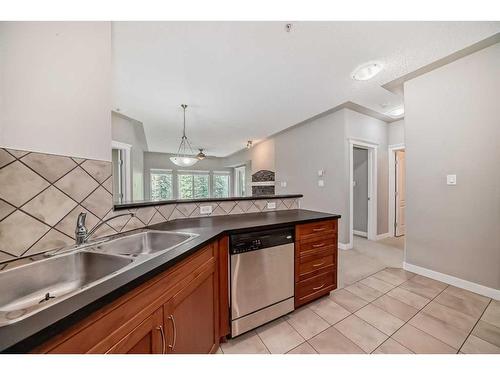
25 335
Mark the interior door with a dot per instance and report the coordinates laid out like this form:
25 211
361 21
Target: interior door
191 316
400 193
147 338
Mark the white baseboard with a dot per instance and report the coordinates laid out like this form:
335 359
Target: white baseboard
360 233
345 246
455 281
383 235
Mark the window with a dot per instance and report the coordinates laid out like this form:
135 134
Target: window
221 185
193 185
161 184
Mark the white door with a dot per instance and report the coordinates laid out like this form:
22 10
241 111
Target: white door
400 193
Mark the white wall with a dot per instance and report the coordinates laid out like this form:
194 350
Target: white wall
453 127
55 87
396 132
130 131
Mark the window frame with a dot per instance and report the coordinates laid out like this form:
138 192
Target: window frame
193 173
229 185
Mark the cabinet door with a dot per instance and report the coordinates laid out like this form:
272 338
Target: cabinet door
147 338
191 316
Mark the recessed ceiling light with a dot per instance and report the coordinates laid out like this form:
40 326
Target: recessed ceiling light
367 71
396 112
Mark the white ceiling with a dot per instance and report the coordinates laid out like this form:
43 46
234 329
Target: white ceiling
248 80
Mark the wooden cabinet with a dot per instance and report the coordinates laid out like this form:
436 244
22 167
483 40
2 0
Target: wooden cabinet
191 317
147 338
315 260
177 311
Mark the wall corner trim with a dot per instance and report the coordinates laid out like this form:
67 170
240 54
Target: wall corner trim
455 281
345 246
383 235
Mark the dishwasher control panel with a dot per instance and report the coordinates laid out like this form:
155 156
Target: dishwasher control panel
245 242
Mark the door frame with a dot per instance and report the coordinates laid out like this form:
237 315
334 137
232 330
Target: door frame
126 148
372 187
392 186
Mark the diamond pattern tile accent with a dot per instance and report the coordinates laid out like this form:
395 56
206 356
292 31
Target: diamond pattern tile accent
5 209
52 240
77 184
50 206
99 202
51 167
100 170
47 192
19 231
20 184
5 158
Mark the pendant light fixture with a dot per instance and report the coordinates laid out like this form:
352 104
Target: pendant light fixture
184 156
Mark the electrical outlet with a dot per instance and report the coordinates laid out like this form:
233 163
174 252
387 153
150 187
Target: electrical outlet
271 205
205 210
283 184
321 183
451 179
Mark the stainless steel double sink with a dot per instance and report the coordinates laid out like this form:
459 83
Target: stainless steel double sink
32 287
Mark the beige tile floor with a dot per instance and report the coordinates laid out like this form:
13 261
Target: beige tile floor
387 311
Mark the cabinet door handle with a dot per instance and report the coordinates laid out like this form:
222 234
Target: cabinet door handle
319 264
319 245
318 229
174 327
319 287
163 342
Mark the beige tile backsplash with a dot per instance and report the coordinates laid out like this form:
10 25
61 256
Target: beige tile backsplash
41 196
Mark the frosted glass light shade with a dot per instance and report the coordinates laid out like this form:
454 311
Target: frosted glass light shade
183 161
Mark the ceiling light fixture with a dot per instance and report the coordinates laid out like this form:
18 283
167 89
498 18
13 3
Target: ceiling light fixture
201 155
367 71
249 144
183 158
397 112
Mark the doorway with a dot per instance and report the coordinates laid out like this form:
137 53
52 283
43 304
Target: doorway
368 200
360 192
120 156
397 190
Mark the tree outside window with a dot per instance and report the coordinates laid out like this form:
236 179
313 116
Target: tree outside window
161 185
221 185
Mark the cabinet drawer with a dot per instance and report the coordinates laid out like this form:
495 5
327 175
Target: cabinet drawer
319 228
314 245
315 287
315 266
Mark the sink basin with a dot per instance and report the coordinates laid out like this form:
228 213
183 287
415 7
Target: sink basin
149 242
31 287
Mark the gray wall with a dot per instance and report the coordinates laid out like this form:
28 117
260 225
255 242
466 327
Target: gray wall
127 130
159 160
453 127
396 132
360 190
305 149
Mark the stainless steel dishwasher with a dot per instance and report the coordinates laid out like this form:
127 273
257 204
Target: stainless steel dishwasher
262 277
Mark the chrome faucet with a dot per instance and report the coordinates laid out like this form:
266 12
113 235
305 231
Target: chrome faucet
82 234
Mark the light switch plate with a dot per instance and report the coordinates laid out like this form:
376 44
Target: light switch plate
321 172
451 179
205 210
321 183
271 205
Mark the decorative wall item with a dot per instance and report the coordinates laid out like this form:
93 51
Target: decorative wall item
41 196
263 183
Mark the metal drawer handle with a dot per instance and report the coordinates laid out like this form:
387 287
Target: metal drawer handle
163 343
318 229
319 264
171 317
319 287
319 245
